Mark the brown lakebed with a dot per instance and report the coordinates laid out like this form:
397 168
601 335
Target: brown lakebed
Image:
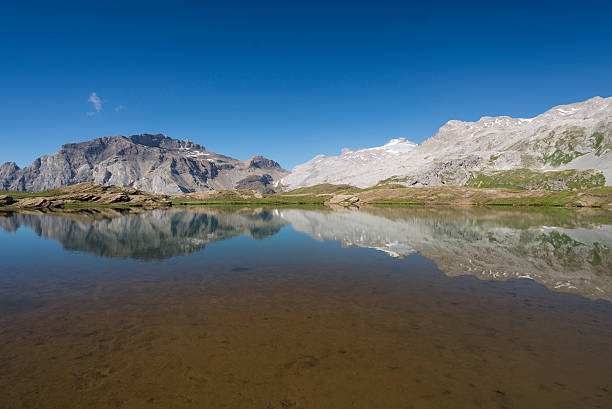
304 309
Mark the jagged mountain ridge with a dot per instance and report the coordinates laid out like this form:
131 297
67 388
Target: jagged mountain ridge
574 136
154 163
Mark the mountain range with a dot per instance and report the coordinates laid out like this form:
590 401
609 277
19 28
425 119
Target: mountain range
574 136
154 163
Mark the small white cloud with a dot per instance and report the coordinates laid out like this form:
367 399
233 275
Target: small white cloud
91 113
96 101
119 108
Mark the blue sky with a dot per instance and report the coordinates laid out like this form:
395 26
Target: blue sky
288 80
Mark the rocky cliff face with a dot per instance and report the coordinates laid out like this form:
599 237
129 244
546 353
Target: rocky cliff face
154 163
575 136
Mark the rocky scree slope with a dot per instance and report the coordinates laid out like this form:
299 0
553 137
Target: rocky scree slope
575 136
153 163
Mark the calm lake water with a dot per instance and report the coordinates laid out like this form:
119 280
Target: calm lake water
282 308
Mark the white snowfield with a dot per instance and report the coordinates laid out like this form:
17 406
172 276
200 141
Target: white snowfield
575 136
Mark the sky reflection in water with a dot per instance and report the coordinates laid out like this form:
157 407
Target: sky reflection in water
286 308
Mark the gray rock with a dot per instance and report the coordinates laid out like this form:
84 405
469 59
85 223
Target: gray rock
34 202
574 136
115 198
6 200
259 183
153 163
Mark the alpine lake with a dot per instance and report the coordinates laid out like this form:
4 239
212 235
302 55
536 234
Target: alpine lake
281 308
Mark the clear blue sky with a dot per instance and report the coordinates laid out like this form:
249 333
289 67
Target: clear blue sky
287 79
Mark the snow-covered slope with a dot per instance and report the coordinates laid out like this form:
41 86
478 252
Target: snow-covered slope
350 165
575 136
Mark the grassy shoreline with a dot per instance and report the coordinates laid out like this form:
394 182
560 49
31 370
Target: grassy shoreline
88 195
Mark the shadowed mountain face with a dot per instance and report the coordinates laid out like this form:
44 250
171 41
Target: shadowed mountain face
154 163
564 250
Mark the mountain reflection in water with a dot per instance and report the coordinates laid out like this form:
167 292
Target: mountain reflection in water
287 309
566 250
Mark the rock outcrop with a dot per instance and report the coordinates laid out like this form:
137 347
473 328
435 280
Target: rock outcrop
262 183
154 163
6 200
87 194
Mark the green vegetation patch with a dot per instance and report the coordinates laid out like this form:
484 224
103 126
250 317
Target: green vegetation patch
565 150
601 191
393 180
599 145
526 179
558 240
389 186
278 200
324 188
493 158
558 157
21 194
596 255
598 137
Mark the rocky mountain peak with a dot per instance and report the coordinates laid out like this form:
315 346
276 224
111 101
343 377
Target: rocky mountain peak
150 162
395 141
260 162
8 166
398 145
594 107
7 170
574 136
163 141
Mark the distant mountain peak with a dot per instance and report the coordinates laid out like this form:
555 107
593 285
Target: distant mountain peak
573 136
398 145
395 141
150 162
260 162
325 169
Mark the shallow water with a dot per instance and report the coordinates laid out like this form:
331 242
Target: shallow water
285 308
